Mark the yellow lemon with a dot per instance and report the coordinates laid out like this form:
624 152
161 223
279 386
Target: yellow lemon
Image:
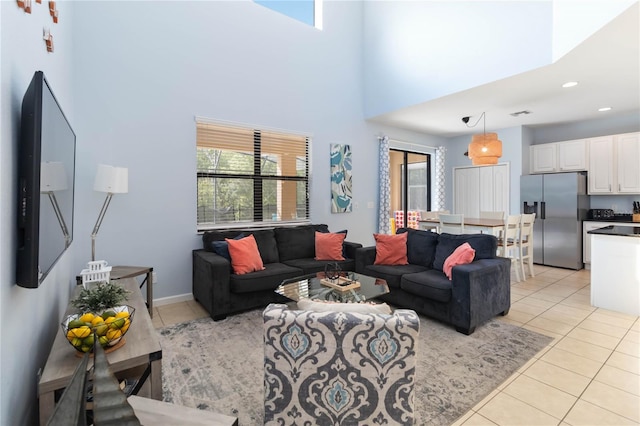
85 348
88 317
122 314
70 335
114 334
81 332
125 327
97 320
76 342
104 340
110 319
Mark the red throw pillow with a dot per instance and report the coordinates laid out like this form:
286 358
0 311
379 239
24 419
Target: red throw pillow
462 255
245 256
329 246
391 249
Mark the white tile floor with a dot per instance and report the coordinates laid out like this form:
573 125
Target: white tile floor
588 375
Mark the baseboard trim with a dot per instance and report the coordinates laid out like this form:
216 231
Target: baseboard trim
173 299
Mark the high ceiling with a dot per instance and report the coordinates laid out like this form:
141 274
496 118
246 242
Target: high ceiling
606 65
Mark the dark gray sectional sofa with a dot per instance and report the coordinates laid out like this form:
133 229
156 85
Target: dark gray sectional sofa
477 291
286 252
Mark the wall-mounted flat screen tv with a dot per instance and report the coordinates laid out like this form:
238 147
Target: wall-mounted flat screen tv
46 179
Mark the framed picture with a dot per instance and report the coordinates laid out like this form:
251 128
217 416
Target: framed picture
341 181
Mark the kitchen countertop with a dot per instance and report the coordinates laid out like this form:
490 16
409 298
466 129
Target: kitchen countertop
621 231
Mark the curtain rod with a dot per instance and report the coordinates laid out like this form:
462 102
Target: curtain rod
411 144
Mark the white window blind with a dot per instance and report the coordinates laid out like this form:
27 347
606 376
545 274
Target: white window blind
250 176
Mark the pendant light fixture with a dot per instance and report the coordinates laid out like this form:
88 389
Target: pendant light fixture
484 148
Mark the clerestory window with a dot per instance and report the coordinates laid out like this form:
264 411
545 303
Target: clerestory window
250 177
307 11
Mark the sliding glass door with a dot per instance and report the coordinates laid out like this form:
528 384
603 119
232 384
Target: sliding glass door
410 175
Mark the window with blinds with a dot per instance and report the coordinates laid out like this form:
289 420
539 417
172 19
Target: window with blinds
249 176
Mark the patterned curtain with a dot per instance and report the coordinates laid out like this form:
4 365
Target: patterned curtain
440 178
384 209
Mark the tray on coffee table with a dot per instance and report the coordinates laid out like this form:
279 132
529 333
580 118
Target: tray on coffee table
358 287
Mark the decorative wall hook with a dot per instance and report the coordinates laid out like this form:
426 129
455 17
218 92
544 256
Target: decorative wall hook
53 11
25 5
48 39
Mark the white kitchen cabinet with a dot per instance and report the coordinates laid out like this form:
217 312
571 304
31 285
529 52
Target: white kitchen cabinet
566 156
480 188
628 146
572 155
586 238
543 158
614 164
601 165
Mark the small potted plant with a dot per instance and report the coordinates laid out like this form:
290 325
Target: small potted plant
100 315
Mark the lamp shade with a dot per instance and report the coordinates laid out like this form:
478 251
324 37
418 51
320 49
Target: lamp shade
114 180
485 148
53 177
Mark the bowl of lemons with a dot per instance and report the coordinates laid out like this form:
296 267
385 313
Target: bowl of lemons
106 328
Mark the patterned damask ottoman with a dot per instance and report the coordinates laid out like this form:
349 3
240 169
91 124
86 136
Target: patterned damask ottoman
339 368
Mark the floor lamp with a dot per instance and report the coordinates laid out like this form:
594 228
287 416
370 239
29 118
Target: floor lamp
112 180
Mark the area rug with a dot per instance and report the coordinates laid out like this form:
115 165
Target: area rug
218 366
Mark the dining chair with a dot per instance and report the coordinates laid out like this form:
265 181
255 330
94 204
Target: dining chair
434 214
508 244
492 215
525 243
451 223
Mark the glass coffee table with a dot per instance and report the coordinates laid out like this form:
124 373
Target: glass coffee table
349 287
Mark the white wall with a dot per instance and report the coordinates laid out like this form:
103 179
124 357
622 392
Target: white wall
29 317
140 86
416 51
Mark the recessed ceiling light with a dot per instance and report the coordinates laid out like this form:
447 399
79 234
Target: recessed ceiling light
570 84
604 109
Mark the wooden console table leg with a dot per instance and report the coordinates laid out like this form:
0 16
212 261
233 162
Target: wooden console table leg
156 379
47 405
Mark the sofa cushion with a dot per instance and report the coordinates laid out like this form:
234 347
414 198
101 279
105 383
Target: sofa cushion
328 246
267 279
296 242
391 273
429 284
210 236
311 266
485 246
245 256
361 308
221 248
391 249
462 255
421 246
266 240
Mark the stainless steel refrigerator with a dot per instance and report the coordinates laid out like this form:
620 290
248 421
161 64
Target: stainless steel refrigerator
560 202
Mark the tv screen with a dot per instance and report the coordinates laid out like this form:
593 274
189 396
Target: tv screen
46 178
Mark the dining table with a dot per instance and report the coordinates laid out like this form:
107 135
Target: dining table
472 225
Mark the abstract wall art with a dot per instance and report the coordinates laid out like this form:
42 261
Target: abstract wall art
341 181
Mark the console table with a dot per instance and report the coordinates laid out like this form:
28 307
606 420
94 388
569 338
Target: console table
140 356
